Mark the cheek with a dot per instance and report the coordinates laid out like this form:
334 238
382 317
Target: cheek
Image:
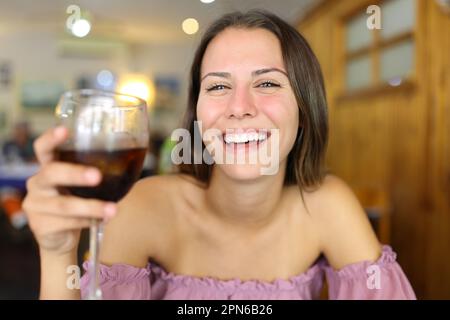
208 111
284 114
281 110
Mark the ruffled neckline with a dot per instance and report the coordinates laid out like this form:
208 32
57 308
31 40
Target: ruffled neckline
277 284
128 273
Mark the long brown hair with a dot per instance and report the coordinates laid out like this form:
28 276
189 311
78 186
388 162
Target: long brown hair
305 164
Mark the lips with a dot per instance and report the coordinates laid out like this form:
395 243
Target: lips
236 139
245 136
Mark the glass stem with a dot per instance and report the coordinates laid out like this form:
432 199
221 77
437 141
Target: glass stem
95 235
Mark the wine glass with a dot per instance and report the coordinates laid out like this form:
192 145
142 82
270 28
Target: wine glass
109 131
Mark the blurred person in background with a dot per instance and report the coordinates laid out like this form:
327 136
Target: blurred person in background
16 151
20 146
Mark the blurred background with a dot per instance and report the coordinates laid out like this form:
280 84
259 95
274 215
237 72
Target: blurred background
388 87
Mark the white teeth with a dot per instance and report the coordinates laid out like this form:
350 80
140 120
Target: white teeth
227 138
252 136
262 136
244 137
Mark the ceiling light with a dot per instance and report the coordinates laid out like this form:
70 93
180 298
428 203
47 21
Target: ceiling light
81 28
190 26
105 78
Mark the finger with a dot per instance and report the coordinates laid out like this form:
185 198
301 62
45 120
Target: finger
66 174
71 207
44 146
53 225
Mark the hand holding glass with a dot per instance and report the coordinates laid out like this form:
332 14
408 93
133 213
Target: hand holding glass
108 131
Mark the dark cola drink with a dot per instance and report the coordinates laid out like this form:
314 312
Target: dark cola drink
120 170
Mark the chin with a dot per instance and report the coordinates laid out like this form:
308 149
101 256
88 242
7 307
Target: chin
243 172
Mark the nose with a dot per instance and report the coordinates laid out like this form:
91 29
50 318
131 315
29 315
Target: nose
241 104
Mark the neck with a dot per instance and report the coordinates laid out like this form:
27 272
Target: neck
249 204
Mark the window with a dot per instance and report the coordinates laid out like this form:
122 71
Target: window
385 56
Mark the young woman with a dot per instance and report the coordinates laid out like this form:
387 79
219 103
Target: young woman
226 231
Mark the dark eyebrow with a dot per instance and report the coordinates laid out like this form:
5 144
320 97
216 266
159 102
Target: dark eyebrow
262 71
217 74
254 73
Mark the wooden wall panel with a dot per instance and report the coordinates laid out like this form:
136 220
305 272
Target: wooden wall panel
438 249
396 140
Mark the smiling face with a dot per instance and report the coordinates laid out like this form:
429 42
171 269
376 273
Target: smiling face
245 92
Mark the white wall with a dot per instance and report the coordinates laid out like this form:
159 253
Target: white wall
36 55
174 60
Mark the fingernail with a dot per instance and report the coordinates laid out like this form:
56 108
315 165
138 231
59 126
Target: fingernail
110 210
92 175
59 132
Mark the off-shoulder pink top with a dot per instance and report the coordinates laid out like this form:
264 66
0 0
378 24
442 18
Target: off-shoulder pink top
382 279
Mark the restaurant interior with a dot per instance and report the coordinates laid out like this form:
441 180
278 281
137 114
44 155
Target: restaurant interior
387 79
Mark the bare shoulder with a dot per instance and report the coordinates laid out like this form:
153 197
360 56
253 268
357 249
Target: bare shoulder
346 235
141 227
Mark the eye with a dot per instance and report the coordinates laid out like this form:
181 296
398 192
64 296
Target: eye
217 87
268 84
